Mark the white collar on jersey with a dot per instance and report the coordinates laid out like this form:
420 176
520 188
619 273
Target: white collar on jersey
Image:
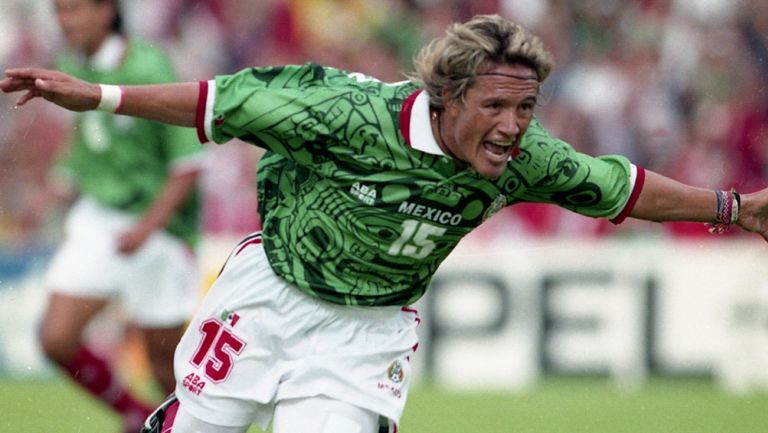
421 128
110 54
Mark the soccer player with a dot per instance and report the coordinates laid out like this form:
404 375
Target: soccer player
130 235
366 187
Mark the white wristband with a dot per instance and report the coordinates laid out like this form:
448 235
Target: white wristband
111 98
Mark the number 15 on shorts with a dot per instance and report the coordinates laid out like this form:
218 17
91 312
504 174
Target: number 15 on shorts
217 350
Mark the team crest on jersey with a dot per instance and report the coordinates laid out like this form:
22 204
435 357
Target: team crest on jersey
395 372
498 203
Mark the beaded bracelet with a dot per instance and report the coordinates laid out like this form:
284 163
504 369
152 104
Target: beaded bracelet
727 211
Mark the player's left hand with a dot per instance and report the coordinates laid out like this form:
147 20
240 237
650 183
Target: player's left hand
753 213
57 87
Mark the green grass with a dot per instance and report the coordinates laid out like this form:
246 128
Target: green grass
556 406
589 406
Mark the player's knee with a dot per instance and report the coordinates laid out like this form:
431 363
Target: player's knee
162 371
56 345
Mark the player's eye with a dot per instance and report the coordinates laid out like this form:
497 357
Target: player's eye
495 106
527 107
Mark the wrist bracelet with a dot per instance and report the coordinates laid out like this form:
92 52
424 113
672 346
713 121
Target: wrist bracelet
111 98
726 211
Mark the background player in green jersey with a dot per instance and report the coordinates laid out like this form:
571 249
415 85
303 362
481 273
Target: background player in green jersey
130 235
366 187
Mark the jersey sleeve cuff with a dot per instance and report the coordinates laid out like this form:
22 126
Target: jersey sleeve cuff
204 113
637 180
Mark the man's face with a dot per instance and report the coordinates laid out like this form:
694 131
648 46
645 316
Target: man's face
84 23
483 129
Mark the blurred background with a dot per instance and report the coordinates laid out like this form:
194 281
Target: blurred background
542 320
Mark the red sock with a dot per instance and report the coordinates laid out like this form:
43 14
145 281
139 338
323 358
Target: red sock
95 375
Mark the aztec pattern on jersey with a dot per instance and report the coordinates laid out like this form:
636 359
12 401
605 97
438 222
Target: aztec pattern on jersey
354 215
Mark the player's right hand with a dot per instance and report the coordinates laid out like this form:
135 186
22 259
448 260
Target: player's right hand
753 213
57 87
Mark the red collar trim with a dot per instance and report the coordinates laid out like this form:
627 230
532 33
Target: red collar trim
405 116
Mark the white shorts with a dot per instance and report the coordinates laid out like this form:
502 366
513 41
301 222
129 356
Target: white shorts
158 285
257 340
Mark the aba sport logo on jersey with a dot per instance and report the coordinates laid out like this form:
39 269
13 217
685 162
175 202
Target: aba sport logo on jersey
366 194
193 383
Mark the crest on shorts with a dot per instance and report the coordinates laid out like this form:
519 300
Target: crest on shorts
395 372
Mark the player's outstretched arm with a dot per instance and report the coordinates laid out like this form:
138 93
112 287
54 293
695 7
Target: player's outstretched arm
168 103
664 199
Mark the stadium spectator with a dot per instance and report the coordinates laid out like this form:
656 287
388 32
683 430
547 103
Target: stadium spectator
366 188
131 232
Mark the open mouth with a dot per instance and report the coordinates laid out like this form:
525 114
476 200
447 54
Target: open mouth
498 151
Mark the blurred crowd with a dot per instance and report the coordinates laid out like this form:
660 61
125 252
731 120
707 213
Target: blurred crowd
679 86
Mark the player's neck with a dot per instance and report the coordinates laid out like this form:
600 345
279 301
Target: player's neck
92 48
436 121
108 54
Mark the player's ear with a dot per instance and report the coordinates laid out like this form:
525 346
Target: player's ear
452 106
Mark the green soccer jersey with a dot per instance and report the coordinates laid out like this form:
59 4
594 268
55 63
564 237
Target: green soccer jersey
124 162
358 204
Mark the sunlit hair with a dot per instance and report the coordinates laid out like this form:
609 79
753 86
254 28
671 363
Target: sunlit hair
450 63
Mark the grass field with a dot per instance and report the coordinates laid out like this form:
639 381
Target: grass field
557 406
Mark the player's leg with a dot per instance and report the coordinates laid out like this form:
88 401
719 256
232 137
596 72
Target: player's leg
170 417
161 344
64 320
366 381
85 272
60 337
159 293
228 363
321 414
